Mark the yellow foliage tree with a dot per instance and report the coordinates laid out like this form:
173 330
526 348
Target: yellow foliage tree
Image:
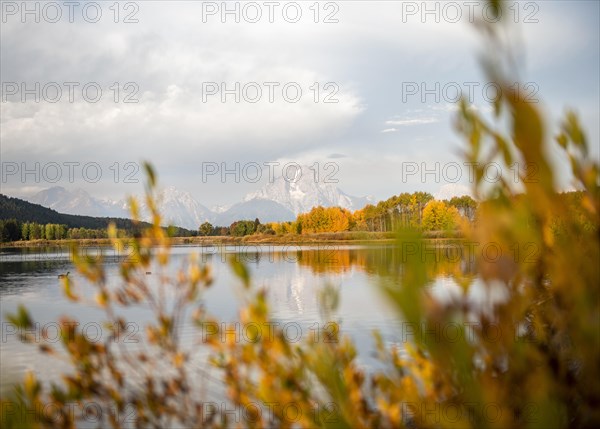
438 216
325 219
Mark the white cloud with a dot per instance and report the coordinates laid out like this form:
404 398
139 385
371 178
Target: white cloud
450 190
448 107
413 121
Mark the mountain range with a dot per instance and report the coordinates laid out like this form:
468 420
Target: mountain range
280 200
24 211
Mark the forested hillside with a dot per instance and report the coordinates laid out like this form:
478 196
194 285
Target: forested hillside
17 216
23 211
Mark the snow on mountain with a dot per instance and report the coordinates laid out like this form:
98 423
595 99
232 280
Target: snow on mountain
450 190
302 192
220 209
77 202
264 210
177 207
281 200
119 207
181 209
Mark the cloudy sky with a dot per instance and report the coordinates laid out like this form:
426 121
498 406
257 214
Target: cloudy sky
361 71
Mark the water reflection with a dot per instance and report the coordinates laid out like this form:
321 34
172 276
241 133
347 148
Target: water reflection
292 276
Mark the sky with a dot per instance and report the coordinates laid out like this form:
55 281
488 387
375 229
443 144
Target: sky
366 95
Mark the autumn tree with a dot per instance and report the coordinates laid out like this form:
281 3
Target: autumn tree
325 219
49 231
465 205
25 231
206 229
438 216
242 228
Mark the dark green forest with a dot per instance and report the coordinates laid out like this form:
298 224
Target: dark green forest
15 213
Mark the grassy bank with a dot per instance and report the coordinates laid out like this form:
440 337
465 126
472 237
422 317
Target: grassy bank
325 237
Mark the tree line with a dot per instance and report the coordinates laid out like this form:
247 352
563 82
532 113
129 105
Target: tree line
415 210
407 210
14 230
418 209
238 228
22 220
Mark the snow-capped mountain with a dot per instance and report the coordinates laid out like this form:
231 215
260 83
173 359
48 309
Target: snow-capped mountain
181 209
281 200
303 192
264 210
450 190
220 209
177 207
77 202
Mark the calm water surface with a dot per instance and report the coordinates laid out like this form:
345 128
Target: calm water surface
292 275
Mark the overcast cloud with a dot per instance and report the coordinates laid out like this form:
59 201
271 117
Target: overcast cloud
366 62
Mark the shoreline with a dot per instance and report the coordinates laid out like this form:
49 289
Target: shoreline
355 237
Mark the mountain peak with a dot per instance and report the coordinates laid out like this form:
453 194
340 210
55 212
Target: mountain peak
281 200
77 202
304 189
54 189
